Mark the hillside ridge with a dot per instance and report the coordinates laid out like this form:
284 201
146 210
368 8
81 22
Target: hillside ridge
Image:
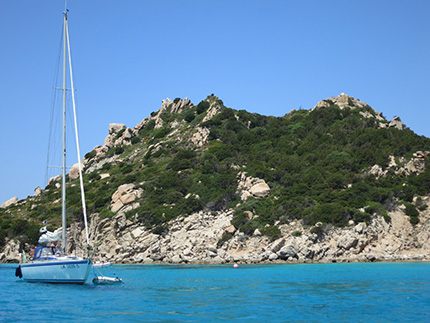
206 183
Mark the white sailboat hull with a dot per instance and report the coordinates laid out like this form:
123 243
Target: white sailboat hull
57 271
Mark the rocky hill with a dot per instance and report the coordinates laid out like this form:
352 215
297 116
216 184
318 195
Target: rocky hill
208 184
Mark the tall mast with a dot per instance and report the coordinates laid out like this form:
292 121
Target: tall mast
63 206
81 181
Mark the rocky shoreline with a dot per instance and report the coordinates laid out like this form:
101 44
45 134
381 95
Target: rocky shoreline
198 239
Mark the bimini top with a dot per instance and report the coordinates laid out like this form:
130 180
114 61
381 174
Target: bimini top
46 253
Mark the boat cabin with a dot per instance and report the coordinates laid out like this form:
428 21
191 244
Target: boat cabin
46 253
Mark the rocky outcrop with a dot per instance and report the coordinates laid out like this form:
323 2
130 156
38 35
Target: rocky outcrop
416 165
251 186
396 123
213 110
119 135
342 101
200 238
11 252
197 239
37 191
74 171
176 106
115 128
124 198
200 137
97 161
9 202
345 101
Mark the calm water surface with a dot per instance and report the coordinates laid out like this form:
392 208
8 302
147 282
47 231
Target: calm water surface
370 292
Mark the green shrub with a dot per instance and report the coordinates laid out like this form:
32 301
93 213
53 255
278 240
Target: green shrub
101 201
272 232
23 230
189 116
150 125
359 216
411 210
161 133
375 207
135 140
91 154
160 229
92 177
225 237
333 213
296 233
118 150
119 134
387 218
318 230
166 116
106 213
185 154
202 107
180 164
106 166
414 220
423 207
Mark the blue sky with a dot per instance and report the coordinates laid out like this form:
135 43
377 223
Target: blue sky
266 56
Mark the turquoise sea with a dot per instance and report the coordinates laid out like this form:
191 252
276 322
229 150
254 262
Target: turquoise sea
364 292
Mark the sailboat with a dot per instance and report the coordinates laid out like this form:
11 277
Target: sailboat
52 264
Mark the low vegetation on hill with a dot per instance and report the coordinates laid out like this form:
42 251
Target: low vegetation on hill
317 163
